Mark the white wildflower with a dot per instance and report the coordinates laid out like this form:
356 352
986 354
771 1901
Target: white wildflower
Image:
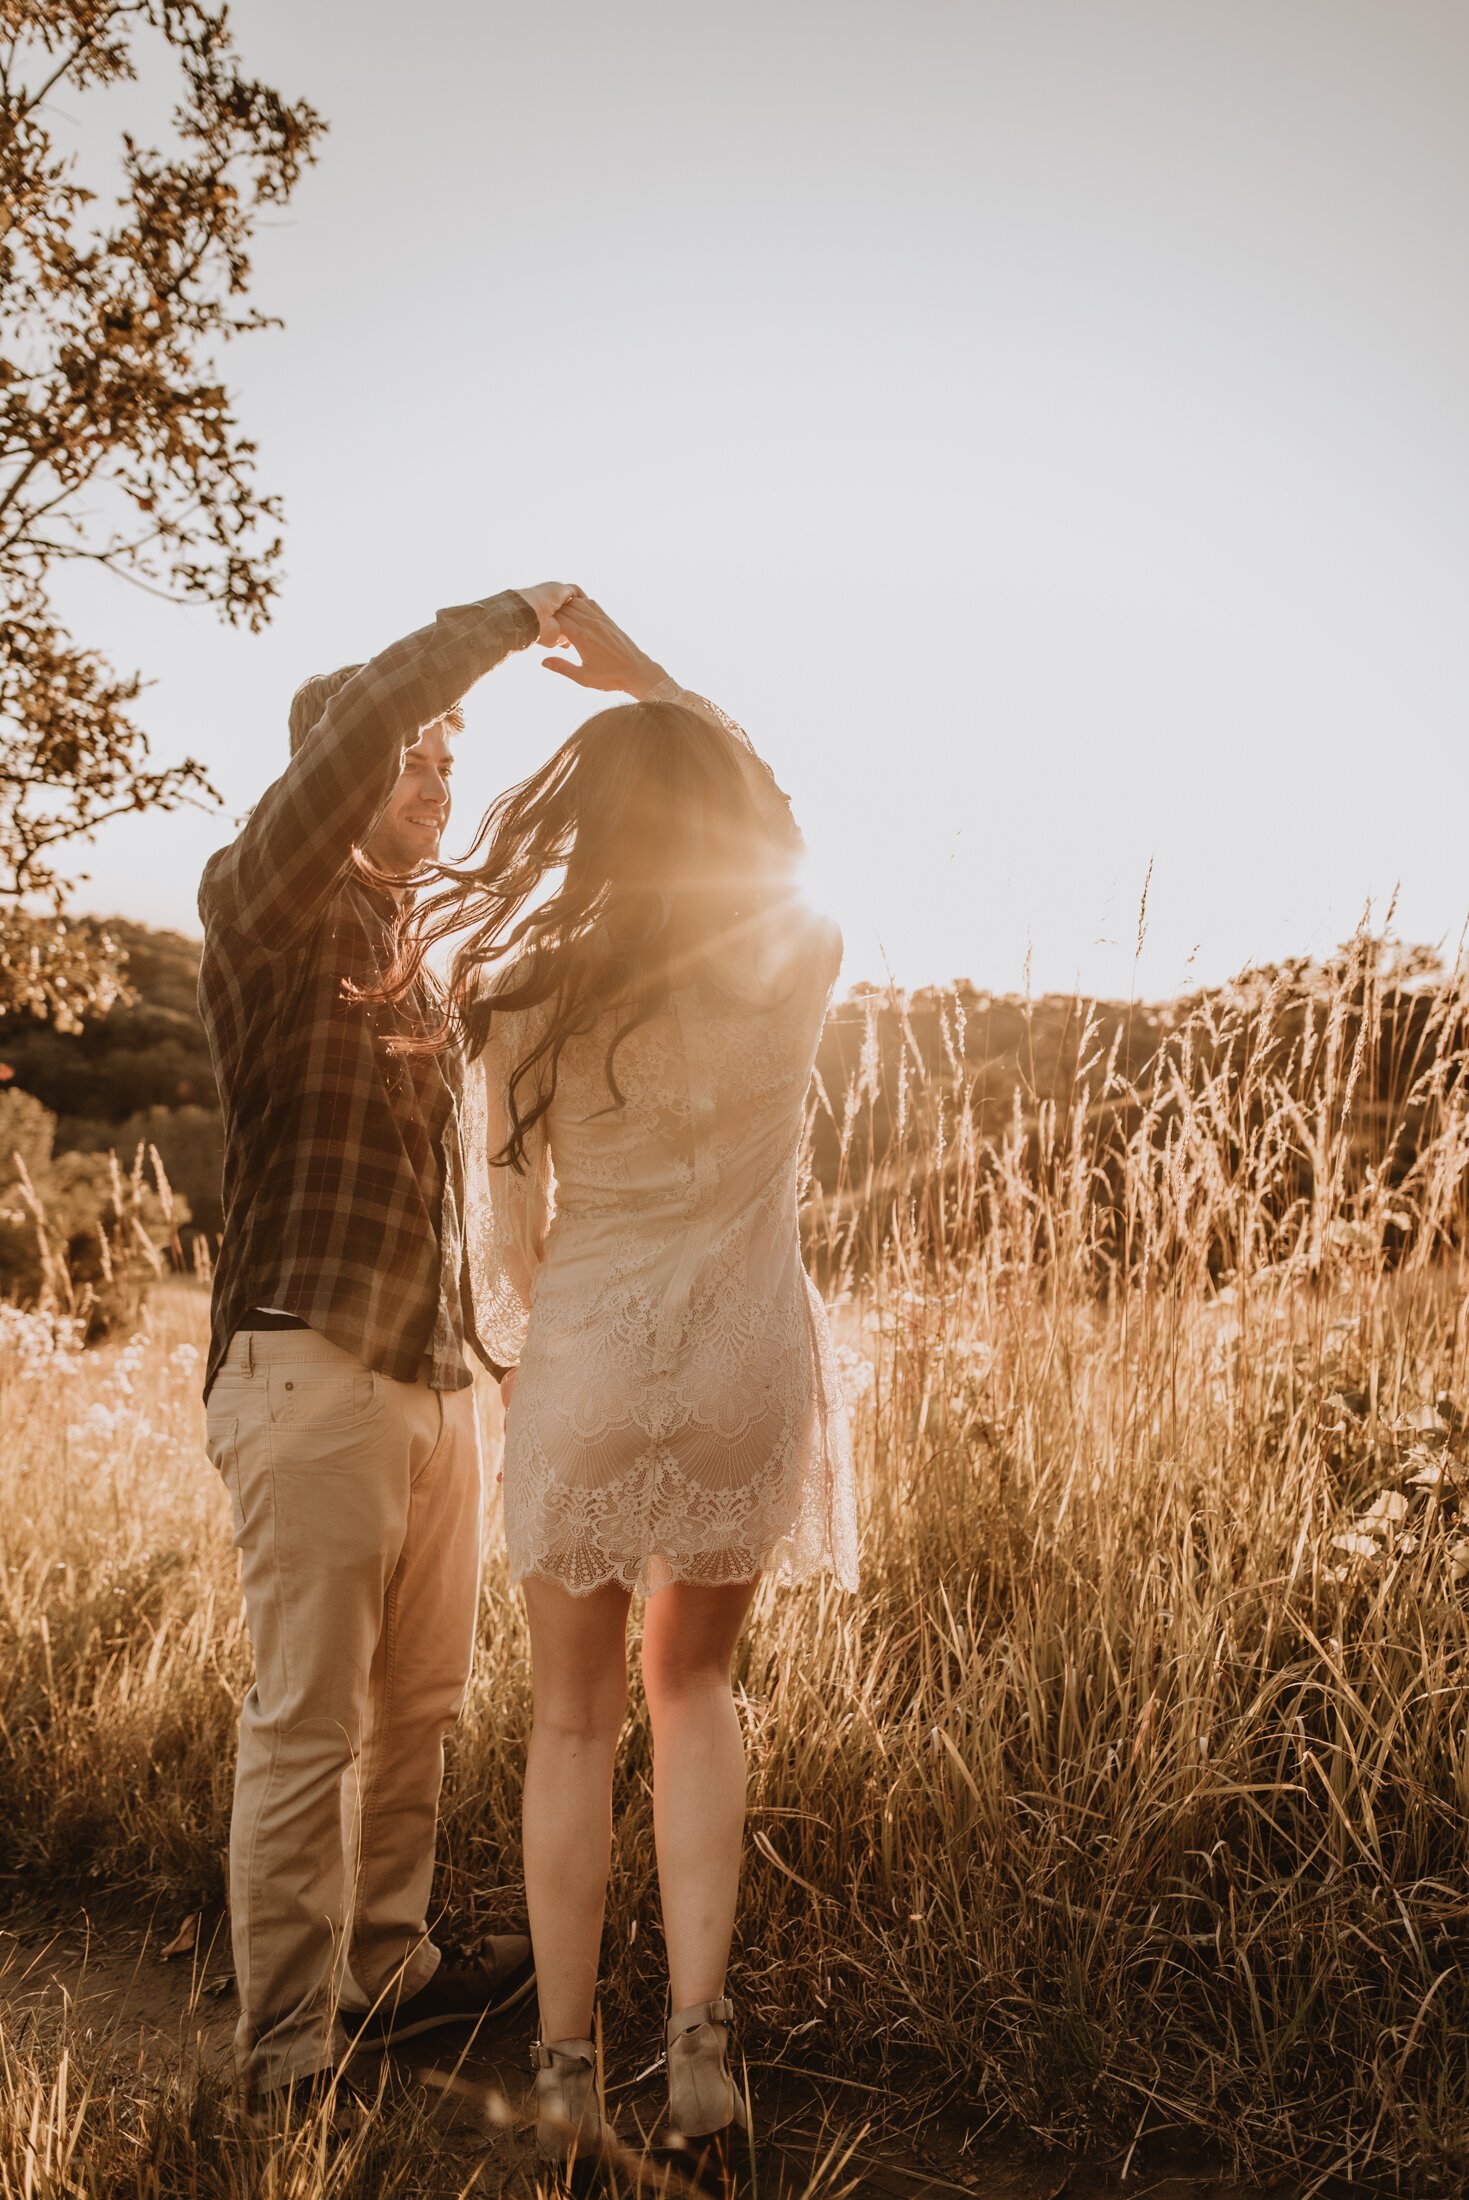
1386 1509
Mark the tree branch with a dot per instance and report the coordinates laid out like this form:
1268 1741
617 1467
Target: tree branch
115 393
33 101
39 459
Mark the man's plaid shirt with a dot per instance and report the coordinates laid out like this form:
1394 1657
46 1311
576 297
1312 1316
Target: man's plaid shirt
342 1171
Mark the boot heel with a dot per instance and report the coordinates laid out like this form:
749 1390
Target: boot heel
702 2096
568 2113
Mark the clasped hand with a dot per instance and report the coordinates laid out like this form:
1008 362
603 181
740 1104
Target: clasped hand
606 658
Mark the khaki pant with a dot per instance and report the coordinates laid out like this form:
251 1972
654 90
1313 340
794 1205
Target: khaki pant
357 1518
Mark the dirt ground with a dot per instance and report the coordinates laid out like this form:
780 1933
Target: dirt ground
130 2005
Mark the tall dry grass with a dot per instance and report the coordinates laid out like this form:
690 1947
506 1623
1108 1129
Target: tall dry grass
1128 1794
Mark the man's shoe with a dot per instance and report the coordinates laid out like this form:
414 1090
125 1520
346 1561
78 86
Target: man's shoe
319 2095
460 1992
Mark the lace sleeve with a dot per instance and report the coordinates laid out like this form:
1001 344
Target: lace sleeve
506 1211
773 801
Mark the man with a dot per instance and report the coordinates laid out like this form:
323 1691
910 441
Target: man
340 1412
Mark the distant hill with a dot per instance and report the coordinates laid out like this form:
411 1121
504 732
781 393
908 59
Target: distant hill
142 1072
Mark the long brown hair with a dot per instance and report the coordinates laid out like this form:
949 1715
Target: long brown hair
672 862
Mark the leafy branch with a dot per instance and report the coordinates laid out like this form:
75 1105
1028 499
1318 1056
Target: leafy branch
119 445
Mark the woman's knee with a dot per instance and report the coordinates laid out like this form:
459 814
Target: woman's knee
689 1639
677 1675
588 1717
578 1662
587 1731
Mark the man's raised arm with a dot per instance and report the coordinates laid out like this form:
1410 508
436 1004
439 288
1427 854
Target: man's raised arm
296 846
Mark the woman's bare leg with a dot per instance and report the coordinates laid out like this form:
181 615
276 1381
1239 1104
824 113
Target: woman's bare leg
689 1637
579 1694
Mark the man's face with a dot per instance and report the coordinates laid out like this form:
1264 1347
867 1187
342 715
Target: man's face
411 827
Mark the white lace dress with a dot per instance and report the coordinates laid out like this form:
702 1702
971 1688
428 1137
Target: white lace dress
677 1411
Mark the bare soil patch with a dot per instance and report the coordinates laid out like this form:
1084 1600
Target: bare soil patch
107 1982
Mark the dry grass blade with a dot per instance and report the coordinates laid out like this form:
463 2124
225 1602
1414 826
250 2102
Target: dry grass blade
1131 1790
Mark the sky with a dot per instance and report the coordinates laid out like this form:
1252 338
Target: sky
1041 422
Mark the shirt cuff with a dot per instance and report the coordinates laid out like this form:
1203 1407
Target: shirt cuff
531 622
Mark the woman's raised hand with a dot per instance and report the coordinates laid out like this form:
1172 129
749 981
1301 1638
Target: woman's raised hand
610 659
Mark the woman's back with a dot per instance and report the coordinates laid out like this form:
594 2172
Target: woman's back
713 1091
676 1413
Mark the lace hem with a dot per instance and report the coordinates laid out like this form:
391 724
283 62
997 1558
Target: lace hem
689 1507
709 1569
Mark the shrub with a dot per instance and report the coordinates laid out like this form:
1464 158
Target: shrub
78 1234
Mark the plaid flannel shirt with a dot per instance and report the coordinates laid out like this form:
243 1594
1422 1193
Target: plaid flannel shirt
343 1186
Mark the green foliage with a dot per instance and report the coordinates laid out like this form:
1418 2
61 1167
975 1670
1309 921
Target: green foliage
146 1052
58 970
137 1075
188 1142
79 1233
27 1136
118 445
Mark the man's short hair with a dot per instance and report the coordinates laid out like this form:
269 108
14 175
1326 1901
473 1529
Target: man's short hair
308 704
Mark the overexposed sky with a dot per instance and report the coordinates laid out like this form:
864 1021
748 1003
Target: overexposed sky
1041 421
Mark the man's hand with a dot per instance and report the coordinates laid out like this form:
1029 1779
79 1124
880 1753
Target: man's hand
545 601
609 659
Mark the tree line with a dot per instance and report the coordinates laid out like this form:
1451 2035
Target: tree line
139 1075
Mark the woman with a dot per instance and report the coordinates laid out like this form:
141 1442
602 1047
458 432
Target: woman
675 1427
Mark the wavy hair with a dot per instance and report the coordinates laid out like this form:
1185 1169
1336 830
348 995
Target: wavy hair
670 865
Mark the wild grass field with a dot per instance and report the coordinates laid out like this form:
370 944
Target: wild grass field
1127 1796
